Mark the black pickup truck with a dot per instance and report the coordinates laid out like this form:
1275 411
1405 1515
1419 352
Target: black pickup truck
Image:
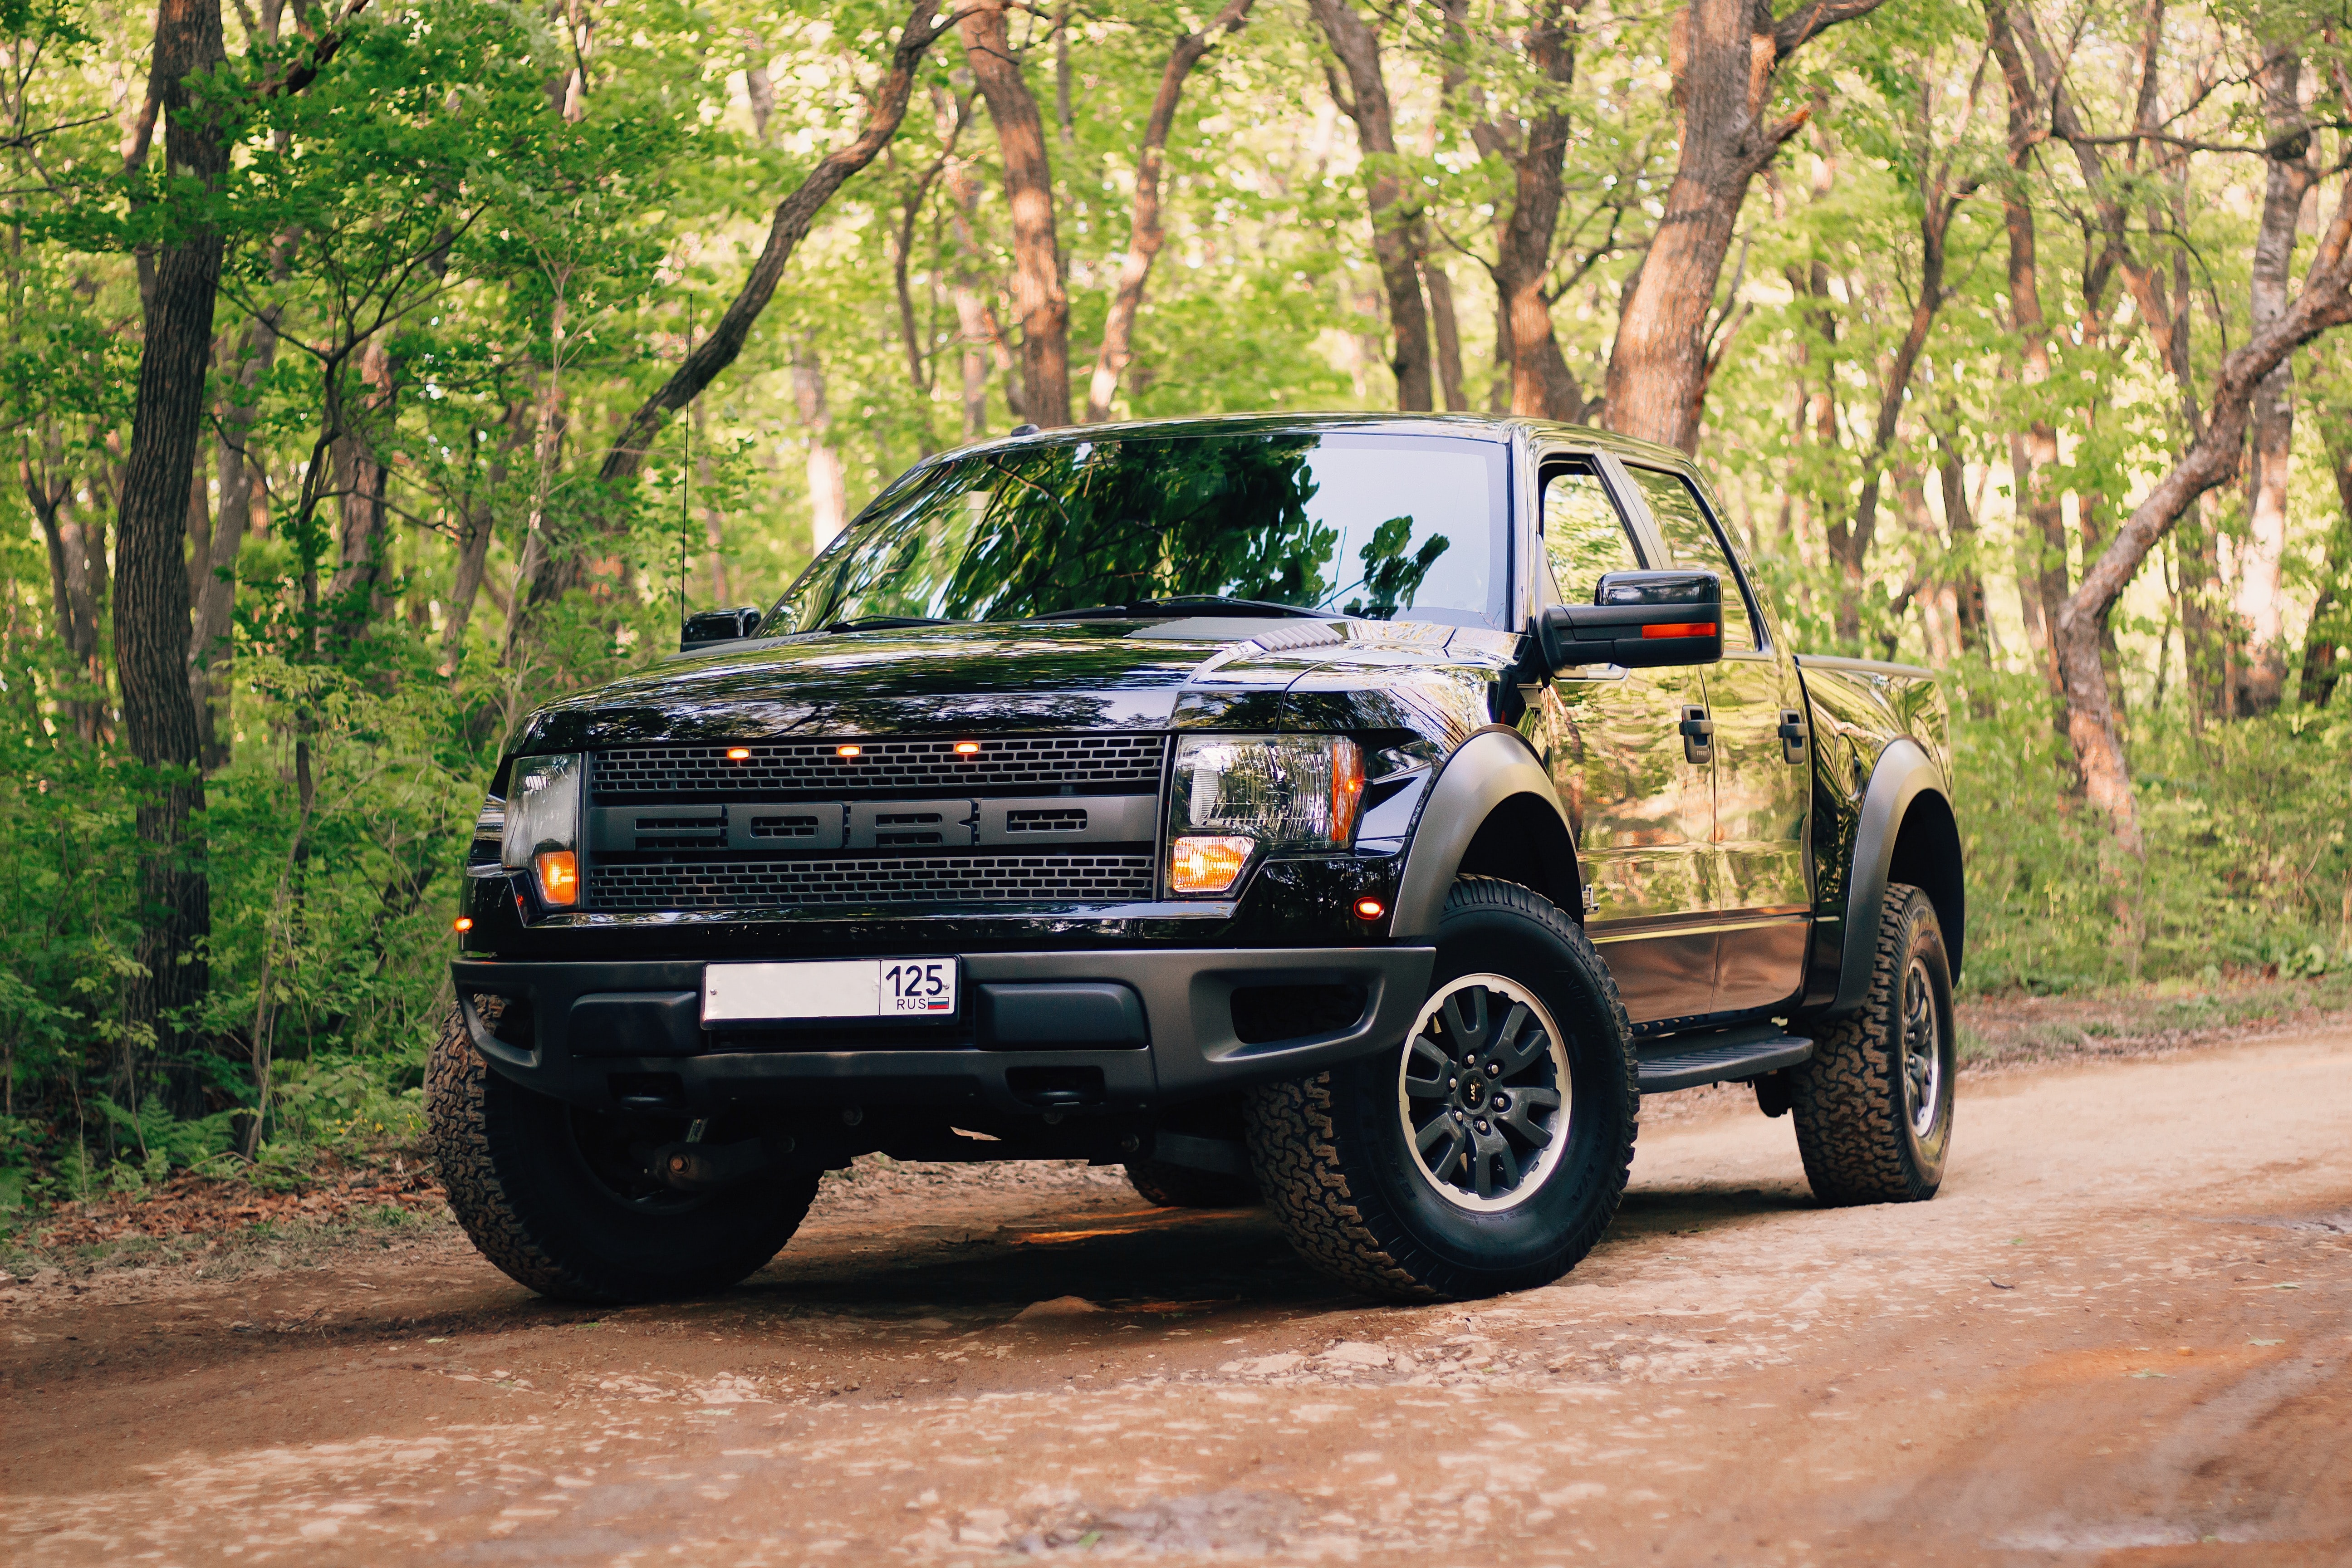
1355 813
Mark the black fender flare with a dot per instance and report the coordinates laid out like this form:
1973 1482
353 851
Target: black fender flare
1904 773
1492 768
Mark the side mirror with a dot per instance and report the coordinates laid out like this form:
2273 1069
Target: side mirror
717 626
1640 620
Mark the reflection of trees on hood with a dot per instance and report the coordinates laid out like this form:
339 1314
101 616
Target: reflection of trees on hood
1392 576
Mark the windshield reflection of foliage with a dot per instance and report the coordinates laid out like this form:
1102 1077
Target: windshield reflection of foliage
1063 527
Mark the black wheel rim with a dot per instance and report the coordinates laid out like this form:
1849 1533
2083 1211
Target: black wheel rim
1482 1093
1923 1050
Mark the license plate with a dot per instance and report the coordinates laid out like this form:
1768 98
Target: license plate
830 988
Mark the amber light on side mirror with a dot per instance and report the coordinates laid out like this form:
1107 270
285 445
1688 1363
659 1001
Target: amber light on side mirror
1638 620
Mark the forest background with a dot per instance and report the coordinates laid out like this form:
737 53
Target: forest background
377 370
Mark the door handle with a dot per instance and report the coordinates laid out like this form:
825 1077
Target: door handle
1698 736
1794 734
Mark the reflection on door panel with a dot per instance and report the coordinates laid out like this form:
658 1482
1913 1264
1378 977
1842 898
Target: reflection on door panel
1761 793
1643 814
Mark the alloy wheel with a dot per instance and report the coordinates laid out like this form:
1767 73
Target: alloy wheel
1483 1092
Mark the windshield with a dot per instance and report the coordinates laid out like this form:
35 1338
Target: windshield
1382 527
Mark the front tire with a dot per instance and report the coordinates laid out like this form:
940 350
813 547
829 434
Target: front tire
1487 1150
1874 1105
554 1195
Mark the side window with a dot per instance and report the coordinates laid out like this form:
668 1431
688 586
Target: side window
1583 536
1675 507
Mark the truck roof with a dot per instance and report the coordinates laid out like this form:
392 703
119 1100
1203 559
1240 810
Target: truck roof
1476 426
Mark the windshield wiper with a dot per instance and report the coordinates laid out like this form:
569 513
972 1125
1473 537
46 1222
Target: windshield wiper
1183 604
885 623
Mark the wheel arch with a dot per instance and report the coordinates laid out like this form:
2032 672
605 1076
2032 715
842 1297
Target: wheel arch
1908 833
1492 812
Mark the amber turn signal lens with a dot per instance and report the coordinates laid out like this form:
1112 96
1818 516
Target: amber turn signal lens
463 923
559 878
966 748
1207 865
1370 908
739 754
1681 629
849 751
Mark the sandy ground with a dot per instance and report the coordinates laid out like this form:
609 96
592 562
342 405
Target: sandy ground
2119 1335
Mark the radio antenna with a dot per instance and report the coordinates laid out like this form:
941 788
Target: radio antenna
685 475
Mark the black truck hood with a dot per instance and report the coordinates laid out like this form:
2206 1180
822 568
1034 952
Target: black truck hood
984 678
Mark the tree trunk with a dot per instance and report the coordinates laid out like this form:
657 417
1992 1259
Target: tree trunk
550 578
76 550
2260 599
1449 334
828 495
2211 460
1967 578
1145 236
209 650
151 596
1723 54
478 517
1038 297
1365 101
362 479
1541 385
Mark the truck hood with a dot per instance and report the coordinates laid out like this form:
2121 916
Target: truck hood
1217 672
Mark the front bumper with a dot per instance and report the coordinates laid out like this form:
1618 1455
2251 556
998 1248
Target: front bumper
1062 1033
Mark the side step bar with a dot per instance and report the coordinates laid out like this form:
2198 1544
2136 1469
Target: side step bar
1687 1061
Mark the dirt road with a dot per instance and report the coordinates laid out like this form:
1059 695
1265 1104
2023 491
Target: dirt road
2119 1336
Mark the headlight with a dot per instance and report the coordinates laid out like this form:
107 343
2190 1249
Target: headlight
1237 795
542 832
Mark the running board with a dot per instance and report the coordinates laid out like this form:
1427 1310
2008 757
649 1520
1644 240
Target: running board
1687 1061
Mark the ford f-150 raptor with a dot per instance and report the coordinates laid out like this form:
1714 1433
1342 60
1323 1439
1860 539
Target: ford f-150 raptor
1361 813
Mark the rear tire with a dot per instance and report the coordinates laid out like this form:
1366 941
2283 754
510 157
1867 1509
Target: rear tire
550 1192
1874 1105
1182 1187
1487 1150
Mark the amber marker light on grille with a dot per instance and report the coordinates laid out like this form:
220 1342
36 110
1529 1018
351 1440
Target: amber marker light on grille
966 748
1370 908
739 754
559 878
1201 865
463 924
849 751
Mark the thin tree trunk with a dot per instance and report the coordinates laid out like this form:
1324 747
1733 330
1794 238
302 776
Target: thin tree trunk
2260 589
1967 578
77 552
209 650
1724 54
1449 334
2212 459
151 599
1145 236
363 477
1541 385
1038 295
1395 219
478 519
828 495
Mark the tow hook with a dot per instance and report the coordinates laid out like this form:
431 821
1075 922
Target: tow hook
704 1167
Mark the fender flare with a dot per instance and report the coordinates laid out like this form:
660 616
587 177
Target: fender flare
1494 765
1905 771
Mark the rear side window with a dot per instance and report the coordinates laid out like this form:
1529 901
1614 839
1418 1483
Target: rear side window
1584 537
1690 538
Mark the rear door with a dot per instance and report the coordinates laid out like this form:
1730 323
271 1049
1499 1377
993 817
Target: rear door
1641 809
1763 768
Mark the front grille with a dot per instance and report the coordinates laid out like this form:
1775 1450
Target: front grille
882 769
867 881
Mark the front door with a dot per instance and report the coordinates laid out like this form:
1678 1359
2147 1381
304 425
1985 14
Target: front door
1641 809
1763 766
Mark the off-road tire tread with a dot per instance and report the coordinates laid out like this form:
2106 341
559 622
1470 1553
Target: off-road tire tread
1844 1101
457 1086
1182 1187
1293 1153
